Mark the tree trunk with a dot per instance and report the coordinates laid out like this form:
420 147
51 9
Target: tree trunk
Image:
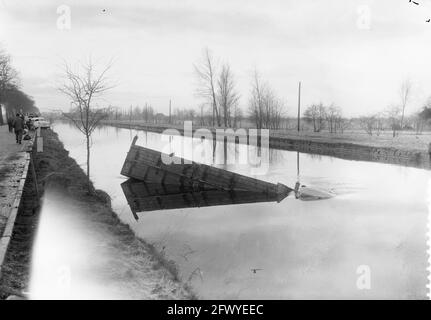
213 114
225 115
88 165
217 114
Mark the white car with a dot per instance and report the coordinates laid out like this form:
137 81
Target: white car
40 122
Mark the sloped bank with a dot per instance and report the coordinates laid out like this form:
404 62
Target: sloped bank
21 227
351 151
152 275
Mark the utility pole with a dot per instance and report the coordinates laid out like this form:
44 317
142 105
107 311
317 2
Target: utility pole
1 114
170 119
299 106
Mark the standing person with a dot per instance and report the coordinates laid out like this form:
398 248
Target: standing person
10 124
18 125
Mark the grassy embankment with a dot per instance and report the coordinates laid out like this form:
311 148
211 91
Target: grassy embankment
134 262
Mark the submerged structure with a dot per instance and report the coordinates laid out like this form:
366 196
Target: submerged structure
173 182
142 196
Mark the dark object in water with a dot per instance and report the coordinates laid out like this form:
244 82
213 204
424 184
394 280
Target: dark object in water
148 165
255 270
305 193
143 196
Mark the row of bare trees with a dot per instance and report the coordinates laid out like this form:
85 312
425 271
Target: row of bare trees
217 87
423 117
146 113
326 117
393 117
389 119
265 108
12 98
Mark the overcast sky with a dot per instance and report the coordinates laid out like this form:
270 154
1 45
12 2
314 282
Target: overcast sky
328 45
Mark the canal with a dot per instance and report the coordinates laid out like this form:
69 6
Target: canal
289 250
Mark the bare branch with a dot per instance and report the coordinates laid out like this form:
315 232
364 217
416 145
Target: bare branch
82 87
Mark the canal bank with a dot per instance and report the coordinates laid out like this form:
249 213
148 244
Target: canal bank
411 152
15 162
152 276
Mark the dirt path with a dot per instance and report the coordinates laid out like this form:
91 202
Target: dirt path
12 160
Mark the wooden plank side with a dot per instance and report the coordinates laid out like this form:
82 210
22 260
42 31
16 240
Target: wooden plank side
141 201
145 164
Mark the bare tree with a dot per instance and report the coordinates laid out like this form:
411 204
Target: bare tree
418 123
273 108
237 116
422 117
256 100
405 93
265 108
206 73
368 124
8 79
148 113
316 113
333 115
16 100
226 93
393 115
343 124
201 114
83 87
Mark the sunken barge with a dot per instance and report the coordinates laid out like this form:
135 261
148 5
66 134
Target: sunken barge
156 185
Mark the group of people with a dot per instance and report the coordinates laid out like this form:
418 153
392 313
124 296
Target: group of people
18 125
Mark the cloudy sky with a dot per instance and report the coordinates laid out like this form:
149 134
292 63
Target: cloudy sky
354 53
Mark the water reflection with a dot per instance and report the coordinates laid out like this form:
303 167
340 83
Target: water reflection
143 196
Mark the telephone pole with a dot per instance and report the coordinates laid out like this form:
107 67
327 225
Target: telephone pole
299 106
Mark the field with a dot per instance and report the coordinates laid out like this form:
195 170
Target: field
406 140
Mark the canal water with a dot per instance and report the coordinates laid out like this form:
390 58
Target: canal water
369 241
